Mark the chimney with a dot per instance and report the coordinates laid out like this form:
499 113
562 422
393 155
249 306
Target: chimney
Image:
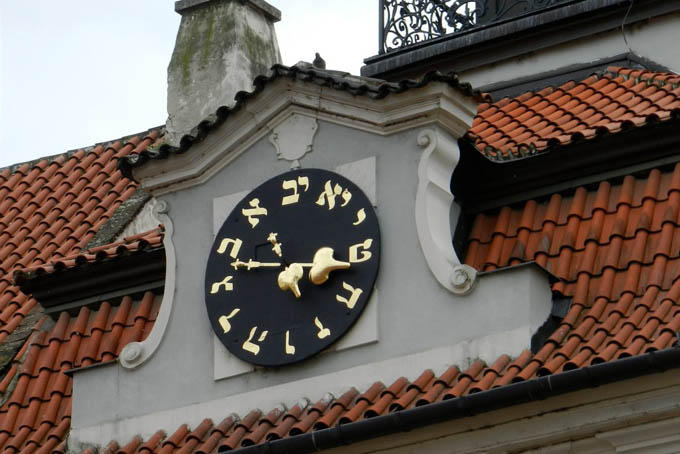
221 46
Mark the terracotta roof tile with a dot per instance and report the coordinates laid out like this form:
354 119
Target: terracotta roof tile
569 113
615 249
43 390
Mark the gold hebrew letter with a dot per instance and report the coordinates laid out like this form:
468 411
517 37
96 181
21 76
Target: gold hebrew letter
292 184
226 283
256 210
252 347
329 194
235 246
346 197
361 215
365 255
323 332
354 297
290 349
224 320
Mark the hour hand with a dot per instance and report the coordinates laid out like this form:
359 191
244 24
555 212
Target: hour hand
323 264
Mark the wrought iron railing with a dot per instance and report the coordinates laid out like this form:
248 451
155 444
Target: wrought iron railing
407 22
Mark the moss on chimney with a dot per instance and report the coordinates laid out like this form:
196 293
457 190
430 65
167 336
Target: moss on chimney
221 47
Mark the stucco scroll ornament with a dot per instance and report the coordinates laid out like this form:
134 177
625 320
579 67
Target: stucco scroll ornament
294 138
135 353
434 204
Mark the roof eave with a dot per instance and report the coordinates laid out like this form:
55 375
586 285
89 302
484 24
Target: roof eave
480 184
91 283
472 404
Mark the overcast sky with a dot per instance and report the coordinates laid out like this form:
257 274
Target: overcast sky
77 72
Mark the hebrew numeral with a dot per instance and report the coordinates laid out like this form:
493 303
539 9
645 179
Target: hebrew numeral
224 320
323 332
290 349
256 210
365 255
346 197
330 193
226 283
354 297
235 246
252 347
292 184
361 215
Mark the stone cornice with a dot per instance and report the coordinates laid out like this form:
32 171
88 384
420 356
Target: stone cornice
436 103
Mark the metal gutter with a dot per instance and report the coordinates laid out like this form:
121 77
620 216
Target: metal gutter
449 410
90 283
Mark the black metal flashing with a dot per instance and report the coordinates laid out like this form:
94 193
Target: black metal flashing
479 184
91 283
358 86
560 308
499 41
472 404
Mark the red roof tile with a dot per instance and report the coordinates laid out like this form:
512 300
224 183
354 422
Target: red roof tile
152 239
51 209
615 249
38 411
533 122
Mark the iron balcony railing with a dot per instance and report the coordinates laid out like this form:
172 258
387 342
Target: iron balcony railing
407 22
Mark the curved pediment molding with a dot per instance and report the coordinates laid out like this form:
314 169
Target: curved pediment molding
434 104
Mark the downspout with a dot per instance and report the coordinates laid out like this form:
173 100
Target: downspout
472 404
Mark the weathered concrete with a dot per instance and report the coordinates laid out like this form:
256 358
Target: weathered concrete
221 46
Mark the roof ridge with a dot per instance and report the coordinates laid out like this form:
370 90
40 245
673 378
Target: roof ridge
339 80
13 168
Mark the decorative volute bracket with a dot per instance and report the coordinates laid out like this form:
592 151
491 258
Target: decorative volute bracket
434 203
135 353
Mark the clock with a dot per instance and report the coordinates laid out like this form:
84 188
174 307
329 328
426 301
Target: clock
292 267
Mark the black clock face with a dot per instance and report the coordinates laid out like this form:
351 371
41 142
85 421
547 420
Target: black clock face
292 267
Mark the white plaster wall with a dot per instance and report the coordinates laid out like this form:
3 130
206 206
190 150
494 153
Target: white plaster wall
653 39
421 325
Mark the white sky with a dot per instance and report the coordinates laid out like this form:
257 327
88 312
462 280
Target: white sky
77 72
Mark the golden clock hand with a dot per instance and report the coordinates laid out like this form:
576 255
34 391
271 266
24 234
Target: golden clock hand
320 268
288 278
251 264
322 264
